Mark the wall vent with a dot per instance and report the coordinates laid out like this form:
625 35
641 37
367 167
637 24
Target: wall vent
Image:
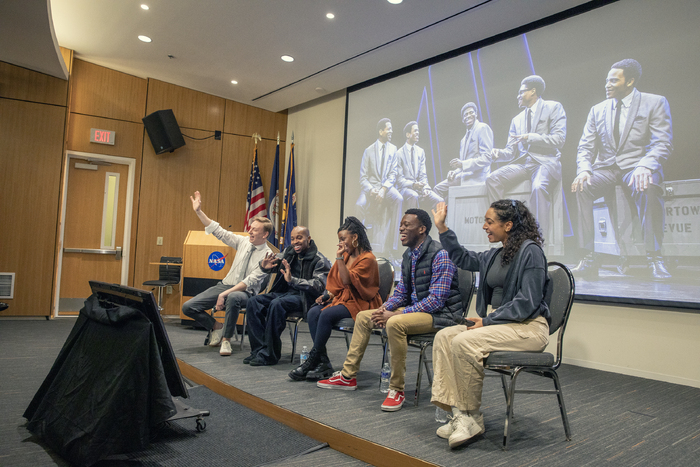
7 285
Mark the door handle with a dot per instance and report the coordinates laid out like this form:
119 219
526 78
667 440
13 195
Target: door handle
117 252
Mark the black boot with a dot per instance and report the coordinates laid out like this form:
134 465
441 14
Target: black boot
324 369
587 268
657 268
299 373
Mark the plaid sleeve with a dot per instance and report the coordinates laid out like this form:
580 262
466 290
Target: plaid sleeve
398 298
443 271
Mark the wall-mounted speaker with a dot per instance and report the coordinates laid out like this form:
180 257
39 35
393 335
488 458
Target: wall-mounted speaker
163 130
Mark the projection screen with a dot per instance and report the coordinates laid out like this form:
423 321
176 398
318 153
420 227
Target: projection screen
644 245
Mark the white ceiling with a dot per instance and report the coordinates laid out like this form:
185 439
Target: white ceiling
215 41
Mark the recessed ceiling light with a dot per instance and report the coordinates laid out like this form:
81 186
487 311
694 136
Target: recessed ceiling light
330 15
287 58
144 39
144 6
394 2
233 81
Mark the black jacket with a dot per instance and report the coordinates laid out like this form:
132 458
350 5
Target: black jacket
314 272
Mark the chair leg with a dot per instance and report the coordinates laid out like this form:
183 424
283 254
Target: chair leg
420 374
562 407
294 339
509 407
245 321
160 300
504 384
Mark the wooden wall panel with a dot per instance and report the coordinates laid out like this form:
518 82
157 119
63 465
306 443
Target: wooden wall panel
192 109
67 55
127 143
235 172
242 119
27 85
31 144
102 92
165 210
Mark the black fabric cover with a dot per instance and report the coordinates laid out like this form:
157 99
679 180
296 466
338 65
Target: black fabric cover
106 390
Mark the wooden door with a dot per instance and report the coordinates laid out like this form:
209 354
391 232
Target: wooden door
94 229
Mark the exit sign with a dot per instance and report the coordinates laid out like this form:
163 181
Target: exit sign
102 136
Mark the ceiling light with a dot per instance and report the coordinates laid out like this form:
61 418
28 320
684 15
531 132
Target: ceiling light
233 81
330 15
394 2
144 6
144 39
287 58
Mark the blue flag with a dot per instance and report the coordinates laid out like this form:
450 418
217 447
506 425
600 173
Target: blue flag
289 209
274 201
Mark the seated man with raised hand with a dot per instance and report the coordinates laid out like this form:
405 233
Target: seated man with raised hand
426 299
243 280
301 278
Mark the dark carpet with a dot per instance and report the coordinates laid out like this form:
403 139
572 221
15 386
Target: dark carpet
235 435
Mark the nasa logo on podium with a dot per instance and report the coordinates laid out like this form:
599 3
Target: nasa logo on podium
216 261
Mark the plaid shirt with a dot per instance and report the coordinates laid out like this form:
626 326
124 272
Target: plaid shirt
440 281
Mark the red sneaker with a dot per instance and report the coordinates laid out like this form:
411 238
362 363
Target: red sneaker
337 381
394 401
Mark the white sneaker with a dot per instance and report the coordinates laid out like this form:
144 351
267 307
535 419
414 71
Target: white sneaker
225 350
446 430
465 428
215 337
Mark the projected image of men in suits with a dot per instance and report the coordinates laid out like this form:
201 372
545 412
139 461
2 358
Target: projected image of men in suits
474 162
535 139
380 204
626 141
412 179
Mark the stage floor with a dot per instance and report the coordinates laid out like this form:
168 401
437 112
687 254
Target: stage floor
615 419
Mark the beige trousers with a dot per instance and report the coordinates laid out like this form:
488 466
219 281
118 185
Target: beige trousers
397 328
458 358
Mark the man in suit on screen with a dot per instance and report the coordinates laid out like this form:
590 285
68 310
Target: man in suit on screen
474 162
379 204
535 139
412 179
626 141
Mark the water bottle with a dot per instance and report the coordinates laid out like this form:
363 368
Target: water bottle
386 374
304 355
440 415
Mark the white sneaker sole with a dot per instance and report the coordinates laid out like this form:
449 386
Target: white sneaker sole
393 408
335 386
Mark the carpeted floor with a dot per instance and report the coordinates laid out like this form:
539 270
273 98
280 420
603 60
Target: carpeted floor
616 420
234 434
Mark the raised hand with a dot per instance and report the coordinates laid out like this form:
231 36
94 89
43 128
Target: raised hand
269 261
286 271
196 201
439 216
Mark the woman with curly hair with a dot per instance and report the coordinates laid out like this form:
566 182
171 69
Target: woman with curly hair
352 286
513 315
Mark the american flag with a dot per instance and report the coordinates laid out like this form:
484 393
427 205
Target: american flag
255 203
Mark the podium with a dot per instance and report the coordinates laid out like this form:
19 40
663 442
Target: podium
205 261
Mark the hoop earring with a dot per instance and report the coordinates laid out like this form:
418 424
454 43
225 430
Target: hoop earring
354 243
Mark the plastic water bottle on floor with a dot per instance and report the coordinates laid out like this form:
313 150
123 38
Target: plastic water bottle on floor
304 355
440 415
386 374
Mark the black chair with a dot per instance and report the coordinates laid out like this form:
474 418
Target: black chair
386 283
168 274
559 297
467 281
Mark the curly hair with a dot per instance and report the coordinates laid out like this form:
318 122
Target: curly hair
354 226
524 226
